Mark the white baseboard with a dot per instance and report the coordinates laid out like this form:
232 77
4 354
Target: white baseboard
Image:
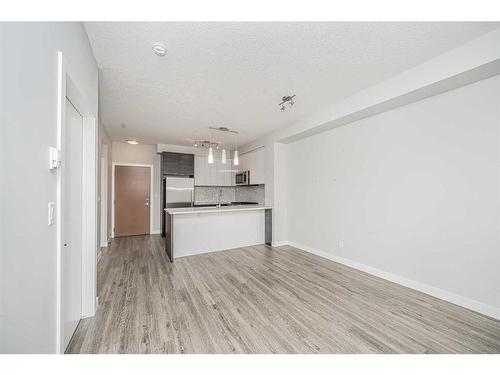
154 231
280 243
456 299
104 244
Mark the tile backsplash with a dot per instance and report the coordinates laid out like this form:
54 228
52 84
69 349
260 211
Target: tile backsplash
209 194
250 194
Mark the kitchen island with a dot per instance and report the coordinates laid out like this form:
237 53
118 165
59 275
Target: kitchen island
198 230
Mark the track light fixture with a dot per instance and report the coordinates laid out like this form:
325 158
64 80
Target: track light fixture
213 146
288 99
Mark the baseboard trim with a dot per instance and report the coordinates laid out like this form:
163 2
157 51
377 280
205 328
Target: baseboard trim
456 299
155 231
104 244
280 243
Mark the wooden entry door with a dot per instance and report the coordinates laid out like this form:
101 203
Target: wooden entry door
132 200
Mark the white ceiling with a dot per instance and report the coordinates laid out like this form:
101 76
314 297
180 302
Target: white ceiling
234 74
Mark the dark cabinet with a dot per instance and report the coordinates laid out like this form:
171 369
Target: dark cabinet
170 163
186 164
175 164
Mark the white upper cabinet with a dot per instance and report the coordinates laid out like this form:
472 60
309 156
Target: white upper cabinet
200 170
226 173
213 172
255 162
216 174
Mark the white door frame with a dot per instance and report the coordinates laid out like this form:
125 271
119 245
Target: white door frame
104 196
69 87
151 167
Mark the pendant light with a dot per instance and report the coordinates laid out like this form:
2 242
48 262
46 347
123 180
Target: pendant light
210 155
223 156
236 160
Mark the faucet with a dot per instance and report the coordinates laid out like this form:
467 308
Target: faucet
219 196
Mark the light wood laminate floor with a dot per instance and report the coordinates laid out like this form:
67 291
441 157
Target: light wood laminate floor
265 300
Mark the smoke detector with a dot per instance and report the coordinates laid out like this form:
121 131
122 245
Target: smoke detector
159 49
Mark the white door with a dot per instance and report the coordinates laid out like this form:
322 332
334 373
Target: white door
71 311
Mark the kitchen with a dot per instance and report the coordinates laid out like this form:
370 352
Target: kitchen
215 193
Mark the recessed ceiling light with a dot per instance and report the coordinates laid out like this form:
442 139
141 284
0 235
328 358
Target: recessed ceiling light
132 142
159 49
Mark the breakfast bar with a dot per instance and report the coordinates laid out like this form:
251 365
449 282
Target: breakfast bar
198 230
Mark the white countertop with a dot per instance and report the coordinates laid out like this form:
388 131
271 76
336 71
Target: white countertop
201 210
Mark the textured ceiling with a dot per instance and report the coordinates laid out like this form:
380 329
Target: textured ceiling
234 74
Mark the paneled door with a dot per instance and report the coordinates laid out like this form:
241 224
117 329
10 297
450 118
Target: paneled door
132 200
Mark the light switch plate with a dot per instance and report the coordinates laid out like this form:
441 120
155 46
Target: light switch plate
52 212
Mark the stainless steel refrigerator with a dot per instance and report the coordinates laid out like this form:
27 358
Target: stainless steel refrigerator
177 192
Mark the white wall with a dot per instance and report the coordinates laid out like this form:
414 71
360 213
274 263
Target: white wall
280 200
414 192
142 154
28 126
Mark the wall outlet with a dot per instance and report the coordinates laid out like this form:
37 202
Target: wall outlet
341 244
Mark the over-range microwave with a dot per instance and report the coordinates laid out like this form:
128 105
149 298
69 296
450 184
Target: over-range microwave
242 178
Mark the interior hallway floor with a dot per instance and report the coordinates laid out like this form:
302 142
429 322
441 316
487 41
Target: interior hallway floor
262 299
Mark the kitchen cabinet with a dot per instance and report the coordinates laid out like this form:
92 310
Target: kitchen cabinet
169 163
226 173
254 161
211 172
186 164
176 164
216 174
200 170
